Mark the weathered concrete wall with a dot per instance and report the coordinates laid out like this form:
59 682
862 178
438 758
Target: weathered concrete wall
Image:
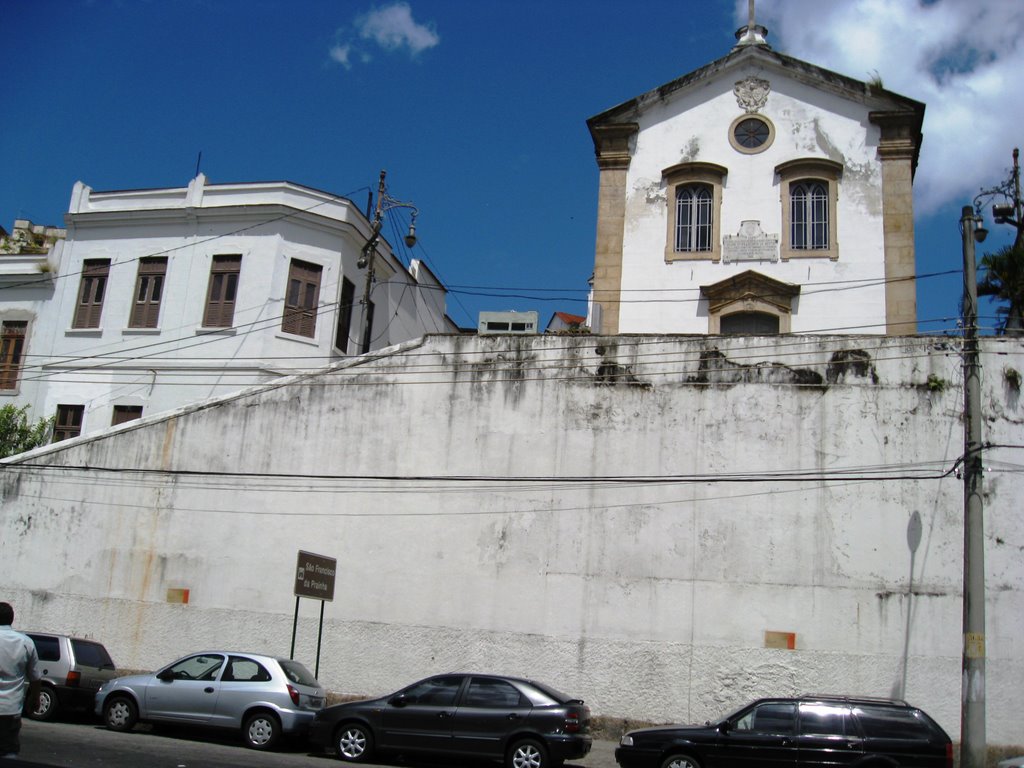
624 517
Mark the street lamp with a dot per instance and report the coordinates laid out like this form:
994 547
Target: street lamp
385 203
972 700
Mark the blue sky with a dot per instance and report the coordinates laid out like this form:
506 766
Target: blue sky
476 108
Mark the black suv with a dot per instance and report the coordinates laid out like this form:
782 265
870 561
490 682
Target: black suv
522 722
800 732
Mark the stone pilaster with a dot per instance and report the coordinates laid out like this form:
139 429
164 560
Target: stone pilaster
898 149
611 145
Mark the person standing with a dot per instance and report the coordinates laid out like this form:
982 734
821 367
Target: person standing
18 672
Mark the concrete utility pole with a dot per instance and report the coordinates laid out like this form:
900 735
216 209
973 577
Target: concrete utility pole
972 719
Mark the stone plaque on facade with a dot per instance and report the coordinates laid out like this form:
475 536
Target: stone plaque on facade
751 244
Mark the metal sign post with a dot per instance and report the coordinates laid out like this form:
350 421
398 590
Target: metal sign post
314 577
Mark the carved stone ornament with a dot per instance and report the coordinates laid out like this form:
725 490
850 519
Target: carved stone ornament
752 94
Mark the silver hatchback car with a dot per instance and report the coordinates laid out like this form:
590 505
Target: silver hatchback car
263 696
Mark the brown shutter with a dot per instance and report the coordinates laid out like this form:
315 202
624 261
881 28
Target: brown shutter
12 345
221 293
302 295
148 292
90 294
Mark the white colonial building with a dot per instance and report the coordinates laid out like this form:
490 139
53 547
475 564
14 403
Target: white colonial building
162 297
757 194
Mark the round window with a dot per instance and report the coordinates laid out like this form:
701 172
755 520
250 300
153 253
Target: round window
751 134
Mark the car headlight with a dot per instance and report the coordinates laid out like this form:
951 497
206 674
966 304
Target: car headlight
626 741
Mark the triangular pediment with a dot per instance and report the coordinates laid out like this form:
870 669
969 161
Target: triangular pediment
874 97
750 287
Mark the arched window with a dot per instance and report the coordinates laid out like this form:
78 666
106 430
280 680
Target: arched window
809 195
808 215
693 217
750 324
694 201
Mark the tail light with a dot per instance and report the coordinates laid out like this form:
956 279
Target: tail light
294 694
73 679
576 720
949 754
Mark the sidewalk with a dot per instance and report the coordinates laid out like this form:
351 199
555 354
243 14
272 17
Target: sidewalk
602 755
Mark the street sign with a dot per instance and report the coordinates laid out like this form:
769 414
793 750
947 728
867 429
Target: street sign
314 576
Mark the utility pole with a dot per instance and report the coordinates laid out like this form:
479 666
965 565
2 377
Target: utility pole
369 252
366 259
973 748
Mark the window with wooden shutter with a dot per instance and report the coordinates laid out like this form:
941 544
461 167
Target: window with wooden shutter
68 422
123 413
90 293
149 288
12 348
301 299
220 296
343 335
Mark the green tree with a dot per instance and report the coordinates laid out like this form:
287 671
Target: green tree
17 435
1004 280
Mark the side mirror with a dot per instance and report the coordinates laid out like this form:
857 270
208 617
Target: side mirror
724 727
166 675
398 701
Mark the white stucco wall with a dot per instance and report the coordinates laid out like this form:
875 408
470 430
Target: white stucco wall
692 125
617 516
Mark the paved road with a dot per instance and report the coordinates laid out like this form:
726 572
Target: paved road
84 744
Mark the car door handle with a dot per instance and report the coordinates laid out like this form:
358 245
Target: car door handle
208 689
443 715
513 716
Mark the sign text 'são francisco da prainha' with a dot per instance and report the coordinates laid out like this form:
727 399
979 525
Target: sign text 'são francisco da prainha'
314 576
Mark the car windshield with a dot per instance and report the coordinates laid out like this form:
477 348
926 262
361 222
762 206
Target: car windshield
297 673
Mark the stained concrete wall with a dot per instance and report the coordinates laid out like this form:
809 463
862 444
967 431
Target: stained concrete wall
622 517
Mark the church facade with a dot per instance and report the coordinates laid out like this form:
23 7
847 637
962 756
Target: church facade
758 194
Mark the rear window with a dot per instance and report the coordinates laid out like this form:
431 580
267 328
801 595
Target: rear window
890 723
543 695
90 654
47 648
297 673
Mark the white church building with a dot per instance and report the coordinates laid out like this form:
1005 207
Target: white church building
757 194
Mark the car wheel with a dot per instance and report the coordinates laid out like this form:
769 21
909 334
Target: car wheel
261 731
46 705
527 753
680 761
120 713
353 743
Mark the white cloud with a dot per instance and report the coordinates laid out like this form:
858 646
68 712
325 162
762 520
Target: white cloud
390 27
962 59
340 54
